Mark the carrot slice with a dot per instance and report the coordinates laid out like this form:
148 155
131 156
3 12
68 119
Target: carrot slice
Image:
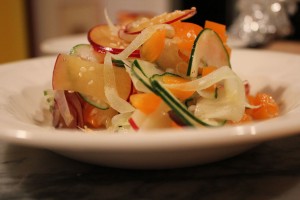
153 47
145 102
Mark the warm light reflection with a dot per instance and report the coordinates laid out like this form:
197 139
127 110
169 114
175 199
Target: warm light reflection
253 130
240 130
276 7
258 14
21 134
254 26
243 131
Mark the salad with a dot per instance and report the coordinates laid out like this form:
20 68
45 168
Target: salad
151 73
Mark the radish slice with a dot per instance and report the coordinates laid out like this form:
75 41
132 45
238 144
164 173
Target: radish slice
140 40
136 119
133 124
165 18
103 40
126 36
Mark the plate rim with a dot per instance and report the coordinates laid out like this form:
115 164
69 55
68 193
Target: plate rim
34 138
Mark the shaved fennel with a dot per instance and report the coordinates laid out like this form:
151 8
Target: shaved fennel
111 93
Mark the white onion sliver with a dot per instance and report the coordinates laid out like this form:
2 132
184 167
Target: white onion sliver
63 106
110 89
247 105
139 86
121 119
114 30
229 105
157 119
202 83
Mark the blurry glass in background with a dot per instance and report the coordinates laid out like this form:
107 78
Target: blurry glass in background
259 22
251 23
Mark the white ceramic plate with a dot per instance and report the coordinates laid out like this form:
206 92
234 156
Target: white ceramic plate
62 44
22 84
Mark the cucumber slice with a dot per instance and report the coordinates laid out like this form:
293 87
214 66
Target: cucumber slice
208 50
138 72
149 69
154 84
159 77
94 102
85 51
118 63
179 109
143 71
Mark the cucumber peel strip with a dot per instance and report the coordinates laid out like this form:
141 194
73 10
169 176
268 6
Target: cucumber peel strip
139 73
187 117
96 103
208 50
144 72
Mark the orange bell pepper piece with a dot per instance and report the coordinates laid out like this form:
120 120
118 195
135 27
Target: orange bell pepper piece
180 94
153 47
268 108
185 34
145 102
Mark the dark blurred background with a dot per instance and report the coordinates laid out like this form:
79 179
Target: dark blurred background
28 23
225 12
213 10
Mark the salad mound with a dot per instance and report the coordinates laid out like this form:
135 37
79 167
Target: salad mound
158 72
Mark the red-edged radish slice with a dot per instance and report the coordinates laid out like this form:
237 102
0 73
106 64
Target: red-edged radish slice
102 40
133 124
165 18
126 36
136 120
